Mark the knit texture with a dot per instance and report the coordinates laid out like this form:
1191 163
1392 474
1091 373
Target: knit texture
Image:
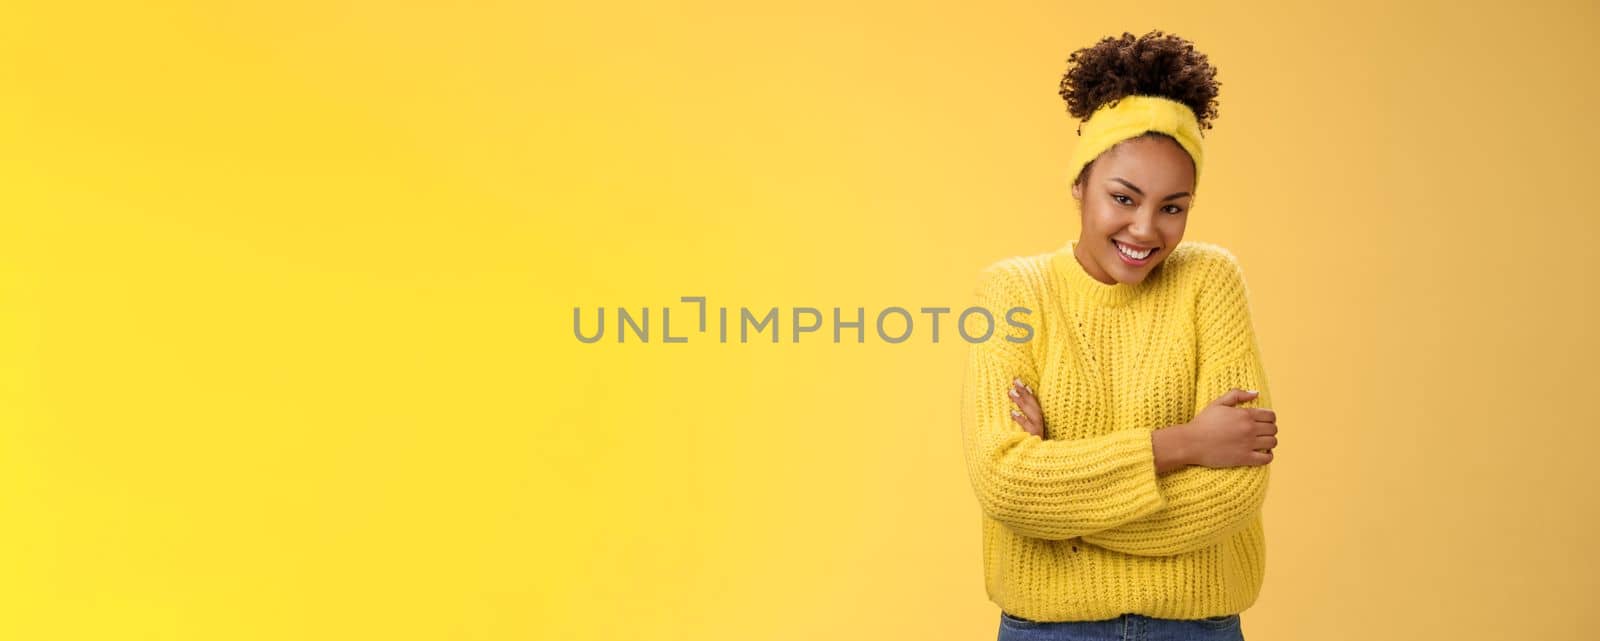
1077 525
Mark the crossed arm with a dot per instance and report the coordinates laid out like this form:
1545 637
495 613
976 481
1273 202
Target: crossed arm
1106 490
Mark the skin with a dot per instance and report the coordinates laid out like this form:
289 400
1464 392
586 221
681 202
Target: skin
1139 192
1221 434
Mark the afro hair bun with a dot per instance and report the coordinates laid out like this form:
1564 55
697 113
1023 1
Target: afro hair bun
1155 64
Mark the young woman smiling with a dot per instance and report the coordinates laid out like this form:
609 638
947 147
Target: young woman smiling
1120 457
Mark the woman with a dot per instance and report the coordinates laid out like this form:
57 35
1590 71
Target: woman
1119 453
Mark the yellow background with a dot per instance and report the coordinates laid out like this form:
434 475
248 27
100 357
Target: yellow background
286 346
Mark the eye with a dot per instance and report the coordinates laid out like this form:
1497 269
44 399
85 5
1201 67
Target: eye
1175 209
1119 198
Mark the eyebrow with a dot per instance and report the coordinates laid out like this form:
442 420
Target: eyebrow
1141 192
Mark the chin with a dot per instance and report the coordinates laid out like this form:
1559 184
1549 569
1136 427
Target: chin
1126 273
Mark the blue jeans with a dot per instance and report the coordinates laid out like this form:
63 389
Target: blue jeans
1129 627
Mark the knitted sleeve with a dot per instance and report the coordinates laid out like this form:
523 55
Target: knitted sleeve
1206 505
1048 489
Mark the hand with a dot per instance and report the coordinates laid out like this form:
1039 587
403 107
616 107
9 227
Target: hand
1027 412
1222 435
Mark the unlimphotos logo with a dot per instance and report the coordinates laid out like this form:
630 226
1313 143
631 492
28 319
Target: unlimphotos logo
894 324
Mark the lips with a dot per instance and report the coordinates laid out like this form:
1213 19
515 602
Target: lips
1118 246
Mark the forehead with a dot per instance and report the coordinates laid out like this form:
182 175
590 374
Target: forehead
1155 163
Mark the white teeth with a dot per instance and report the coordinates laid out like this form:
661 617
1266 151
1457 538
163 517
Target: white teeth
1131 254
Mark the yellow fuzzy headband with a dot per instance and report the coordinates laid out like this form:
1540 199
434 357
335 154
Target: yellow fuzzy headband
1131 116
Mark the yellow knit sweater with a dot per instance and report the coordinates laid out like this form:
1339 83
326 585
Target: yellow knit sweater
1078 526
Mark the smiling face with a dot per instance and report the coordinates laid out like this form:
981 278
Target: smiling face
1136 194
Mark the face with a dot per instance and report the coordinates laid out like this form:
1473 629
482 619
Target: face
1137 193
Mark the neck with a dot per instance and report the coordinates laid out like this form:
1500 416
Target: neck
1089 265
1089 283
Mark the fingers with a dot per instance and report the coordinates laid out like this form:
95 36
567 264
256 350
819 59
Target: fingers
1026 412
1266 421
1023 396
1266 434
1235 396
1022 419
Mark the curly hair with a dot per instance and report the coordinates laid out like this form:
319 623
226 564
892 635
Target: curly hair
1155 64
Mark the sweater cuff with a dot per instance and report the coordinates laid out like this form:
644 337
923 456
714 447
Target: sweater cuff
1143 485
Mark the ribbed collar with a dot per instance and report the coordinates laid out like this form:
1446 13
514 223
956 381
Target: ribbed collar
1086 287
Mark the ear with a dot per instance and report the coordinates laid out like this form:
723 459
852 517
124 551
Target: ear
1077 191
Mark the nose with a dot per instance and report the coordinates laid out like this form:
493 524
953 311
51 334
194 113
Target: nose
1143 226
